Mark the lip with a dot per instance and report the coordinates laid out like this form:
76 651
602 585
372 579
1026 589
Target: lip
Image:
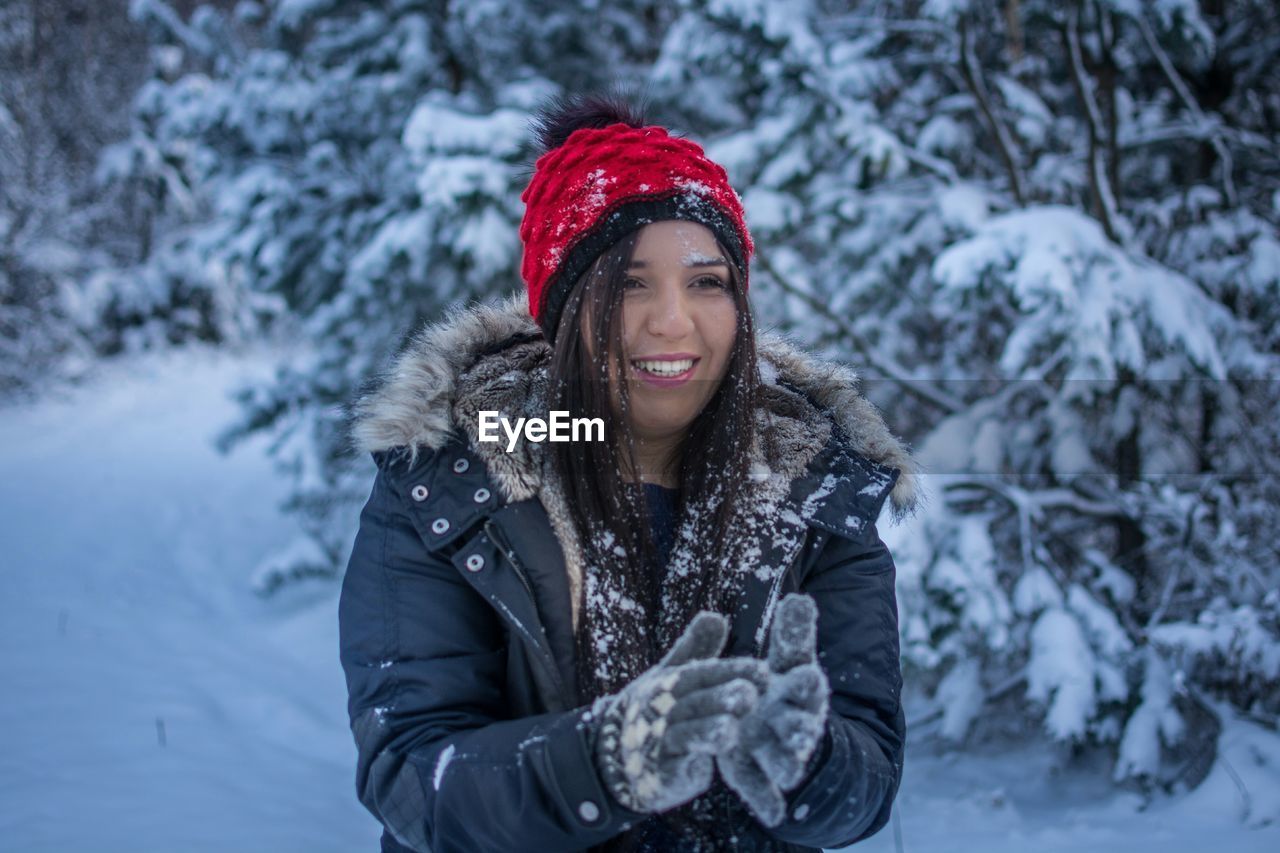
665 381
666 356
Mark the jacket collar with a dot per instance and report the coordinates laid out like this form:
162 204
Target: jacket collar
491 356
453 369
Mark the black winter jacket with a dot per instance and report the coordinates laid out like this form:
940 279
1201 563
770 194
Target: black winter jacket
456 614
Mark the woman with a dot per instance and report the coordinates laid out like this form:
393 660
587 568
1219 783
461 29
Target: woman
680 636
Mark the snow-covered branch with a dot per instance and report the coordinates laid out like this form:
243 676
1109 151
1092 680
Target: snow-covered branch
874 23
891 369
1099 182
164 15
1002 689
937 165
1207 127
1034 503
978 88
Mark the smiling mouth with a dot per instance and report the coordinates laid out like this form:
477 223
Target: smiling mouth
666 369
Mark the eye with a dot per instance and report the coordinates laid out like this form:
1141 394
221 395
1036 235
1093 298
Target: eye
631 283
712 281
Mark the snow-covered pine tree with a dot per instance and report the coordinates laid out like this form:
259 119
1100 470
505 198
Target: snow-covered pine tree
1071 209
67 74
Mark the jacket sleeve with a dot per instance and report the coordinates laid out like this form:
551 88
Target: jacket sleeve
851 786
438 763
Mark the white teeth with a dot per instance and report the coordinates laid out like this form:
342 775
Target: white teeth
665 368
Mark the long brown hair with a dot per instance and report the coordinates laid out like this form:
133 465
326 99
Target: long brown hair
713 455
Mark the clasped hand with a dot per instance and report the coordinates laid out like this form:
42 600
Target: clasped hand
760 722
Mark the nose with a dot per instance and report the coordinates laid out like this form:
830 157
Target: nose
669 316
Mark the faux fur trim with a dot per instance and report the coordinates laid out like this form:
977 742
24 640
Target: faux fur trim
412 404
440 381
491 356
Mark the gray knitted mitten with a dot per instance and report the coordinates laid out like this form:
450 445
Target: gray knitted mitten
658 735
779 737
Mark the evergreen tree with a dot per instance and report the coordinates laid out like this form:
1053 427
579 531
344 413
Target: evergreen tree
1072 208
67 74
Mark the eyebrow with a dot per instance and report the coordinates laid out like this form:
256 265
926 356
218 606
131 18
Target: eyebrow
718 262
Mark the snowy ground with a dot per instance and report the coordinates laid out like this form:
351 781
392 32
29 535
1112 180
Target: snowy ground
153 702
1013 802
125 604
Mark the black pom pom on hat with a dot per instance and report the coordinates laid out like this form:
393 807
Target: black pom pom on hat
556 120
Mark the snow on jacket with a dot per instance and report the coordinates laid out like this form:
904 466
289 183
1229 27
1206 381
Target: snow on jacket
457 609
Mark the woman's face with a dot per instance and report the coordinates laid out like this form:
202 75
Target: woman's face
679 322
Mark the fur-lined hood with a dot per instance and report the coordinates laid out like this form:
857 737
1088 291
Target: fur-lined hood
457 367
492 357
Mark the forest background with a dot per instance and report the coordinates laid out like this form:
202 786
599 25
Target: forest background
1045 233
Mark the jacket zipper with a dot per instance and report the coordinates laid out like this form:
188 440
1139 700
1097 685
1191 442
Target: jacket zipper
770 599
503 545
775 588
509 553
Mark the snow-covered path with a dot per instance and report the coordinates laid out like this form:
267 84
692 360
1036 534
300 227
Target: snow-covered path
153 703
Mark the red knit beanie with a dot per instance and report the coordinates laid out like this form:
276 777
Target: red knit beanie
604 183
